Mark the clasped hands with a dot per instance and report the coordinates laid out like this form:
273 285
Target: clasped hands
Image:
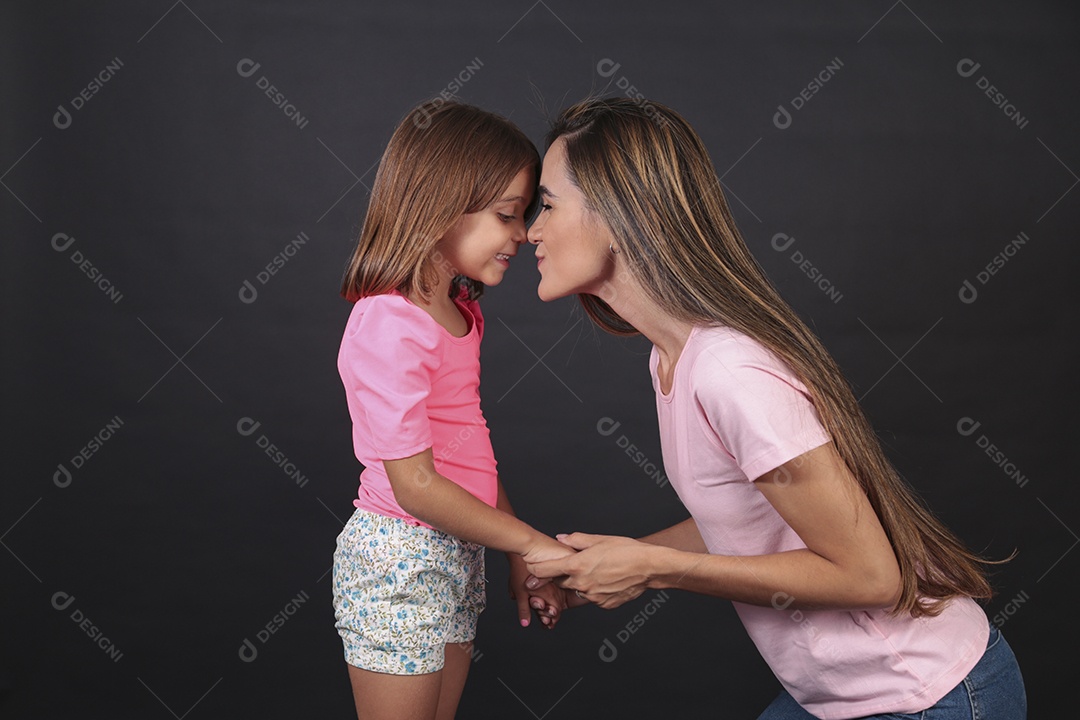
578 569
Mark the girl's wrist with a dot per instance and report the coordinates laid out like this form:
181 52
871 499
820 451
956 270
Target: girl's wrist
531 538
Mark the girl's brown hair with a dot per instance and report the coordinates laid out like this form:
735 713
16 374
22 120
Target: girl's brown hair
444 159
647 174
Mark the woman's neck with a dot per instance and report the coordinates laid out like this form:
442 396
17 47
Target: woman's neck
668 333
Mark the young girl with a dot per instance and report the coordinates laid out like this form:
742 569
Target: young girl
861 602
447 213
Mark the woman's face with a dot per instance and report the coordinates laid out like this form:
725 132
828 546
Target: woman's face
572 243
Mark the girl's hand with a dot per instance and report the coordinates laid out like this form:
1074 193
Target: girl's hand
567 599
548 602
545 548
608 570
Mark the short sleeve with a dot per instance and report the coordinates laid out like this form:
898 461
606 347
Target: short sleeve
391 356
760 412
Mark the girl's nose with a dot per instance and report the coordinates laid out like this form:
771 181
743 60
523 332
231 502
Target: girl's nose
520 235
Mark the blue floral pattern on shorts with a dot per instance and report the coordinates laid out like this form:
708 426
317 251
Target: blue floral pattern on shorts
402 591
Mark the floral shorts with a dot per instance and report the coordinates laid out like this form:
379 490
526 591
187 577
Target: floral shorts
402 591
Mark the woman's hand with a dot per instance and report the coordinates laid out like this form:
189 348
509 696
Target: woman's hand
543 548
608 570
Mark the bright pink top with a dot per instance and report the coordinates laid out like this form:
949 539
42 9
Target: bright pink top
411 385
734 413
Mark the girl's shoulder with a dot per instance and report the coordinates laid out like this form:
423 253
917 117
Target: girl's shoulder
388 316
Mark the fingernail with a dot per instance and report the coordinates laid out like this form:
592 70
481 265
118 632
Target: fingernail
532 583
560 536
524 623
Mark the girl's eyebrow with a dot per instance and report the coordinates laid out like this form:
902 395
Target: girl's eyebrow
547 193
515 198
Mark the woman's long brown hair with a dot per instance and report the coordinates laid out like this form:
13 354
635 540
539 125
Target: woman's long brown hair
647 174
444 159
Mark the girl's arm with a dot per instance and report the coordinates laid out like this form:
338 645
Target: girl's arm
848 562
548 601
426 495
683 536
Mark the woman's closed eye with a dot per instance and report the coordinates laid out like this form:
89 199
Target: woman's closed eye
544 206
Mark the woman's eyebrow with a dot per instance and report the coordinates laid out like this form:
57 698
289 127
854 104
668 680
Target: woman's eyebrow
547 193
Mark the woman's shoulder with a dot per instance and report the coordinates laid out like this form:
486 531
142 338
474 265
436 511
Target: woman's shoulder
736 378
719 343
726 352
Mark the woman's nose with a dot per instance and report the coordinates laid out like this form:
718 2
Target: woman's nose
533 234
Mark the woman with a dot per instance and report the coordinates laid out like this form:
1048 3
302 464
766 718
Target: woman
861 602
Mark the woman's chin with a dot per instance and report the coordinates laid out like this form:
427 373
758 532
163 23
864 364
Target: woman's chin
545 293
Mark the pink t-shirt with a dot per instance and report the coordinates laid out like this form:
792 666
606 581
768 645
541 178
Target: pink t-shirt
411 385
734 413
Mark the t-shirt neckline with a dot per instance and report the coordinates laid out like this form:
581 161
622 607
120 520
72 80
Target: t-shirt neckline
470 319
675 373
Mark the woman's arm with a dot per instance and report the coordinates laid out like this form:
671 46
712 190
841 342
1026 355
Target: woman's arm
848 562
683 536
426 495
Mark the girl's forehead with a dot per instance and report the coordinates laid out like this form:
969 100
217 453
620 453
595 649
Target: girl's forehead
520 186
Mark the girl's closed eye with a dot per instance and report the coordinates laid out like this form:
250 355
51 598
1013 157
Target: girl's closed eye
507 218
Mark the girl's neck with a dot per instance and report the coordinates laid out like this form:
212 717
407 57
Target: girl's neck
440 296
440 306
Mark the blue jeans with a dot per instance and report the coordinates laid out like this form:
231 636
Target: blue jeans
993 690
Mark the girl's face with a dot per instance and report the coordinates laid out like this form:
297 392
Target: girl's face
572 244
480 244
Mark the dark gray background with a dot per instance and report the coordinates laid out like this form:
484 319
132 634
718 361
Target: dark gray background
180 180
